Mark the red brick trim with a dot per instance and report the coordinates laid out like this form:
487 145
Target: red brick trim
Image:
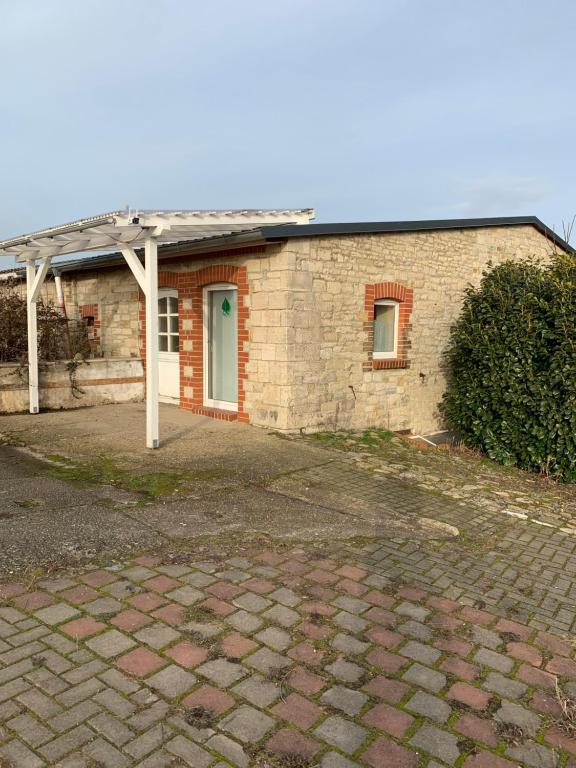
191 320
405 298
92 310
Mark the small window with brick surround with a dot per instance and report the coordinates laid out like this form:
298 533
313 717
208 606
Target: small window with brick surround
388 308
385 329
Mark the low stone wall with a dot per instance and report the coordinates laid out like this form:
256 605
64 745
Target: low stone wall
106 380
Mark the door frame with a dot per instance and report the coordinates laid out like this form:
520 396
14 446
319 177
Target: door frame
169 357
222 405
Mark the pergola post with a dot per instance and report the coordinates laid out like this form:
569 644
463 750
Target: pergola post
152 374
32 338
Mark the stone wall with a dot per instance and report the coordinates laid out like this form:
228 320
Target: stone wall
101 381
308 364
329 384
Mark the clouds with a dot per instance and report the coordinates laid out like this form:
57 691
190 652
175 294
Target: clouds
377 109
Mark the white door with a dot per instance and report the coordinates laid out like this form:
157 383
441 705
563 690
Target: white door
221 346
168 345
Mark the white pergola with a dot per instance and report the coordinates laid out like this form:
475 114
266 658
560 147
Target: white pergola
124 231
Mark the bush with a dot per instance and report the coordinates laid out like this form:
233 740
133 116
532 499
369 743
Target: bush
512 367
58 338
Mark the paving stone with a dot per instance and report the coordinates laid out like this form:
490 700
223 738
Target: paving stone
172 681
533 755
290 743
514 714
110 643
198 579
416 630
347 700
349 645
30 730
149 716
103 607
80 692
221 672
430 706
388 719
298 710
441 744
419 652
485 637
281 614
350 622
112 728
252 602
275 638
385 752
147 742
286 597
140 662
209 698
18 755
157 636
76 715
61 746
342 734
235 645
412 610
266 660
504 686
351 604
123 589
335 760
189 752
187 654
478 728
425 677
41 705
230 749
244 622
247 724
468 695
387 689
346 671
495 660
56 614
258 691
114 702
185 595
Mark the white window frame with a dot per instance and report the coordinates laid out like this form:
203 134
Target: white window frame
394 353
167 293
222 405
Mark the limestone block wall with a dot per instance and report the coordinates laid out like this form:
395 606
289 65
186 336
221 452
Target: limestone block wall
101 381
327 384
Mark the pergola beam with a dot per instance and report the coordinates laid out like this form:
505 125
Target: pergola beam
135 267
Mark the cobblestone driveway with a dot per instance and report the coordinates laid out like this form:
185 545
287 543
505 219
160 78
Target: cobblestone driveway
280 657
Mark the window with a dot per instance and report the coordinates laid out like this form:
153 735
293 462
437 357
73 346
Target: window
385 329
168 339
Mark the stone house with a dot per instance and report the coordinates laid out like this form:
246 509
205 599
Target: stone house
303 327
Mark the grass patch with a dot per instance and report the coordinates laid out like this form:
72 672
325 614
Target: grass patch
348 441
104 471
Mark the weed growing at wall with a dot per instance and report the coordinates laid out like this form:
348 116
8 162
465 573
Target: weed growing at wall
58 338
512 367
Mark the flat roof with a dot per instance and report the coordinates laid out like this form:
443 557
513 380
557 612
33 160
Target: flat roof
275 233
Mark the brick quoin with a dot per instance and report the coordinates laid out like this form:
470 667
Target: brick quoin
191 348
405 298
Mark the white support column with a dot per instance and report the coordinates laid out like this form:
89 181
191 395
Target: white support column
32 338
151 293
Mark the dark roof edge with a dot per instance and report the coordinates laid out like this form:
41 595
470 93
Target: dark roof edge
283 232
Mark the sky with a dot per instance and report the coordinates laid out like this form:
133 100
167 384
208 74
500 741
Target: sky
366 110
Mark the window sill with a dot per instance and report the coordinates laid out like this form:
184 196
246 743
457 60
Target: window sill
389 363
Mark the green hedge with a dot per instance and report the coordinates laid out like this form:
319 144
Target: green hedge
512 367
